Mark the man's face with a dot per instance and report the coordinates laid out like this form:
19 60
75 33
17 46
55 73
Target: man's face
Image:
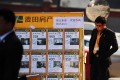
100 26
3 26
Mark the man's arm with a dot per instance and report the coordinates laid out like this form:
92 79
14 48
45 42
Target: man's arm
114 45
12 61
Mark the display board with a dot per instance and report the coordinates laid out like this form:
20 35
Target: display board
53 43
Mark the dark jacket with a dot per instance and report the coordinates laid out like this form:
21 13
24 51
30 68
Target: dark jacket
107 46
11 51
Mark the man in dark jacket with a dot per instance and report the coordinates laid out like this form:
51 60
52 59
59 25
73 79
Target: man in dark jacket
102 45
11 49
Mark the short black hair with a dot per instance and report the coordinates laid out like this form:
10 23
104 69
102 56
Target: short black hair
8 16
100 19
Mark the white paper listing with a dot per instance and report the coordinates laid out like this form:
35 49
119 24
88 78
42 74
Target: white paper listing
55 39
71 78
54 78
38 63
24 36
71 39
38 39
54 62
71 63
24 68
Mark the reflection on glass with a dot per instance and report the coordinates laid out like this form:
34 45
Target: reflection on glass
97 8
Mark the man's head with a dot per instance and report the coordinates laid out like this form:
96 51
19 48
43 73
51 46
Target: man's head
100 23
7 20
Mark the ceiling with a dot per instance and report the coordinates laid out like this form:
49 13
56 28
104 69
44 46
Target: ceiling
62 3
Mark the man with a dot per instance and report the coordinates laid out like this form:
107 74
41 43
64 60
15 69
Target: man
11 49
102 45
